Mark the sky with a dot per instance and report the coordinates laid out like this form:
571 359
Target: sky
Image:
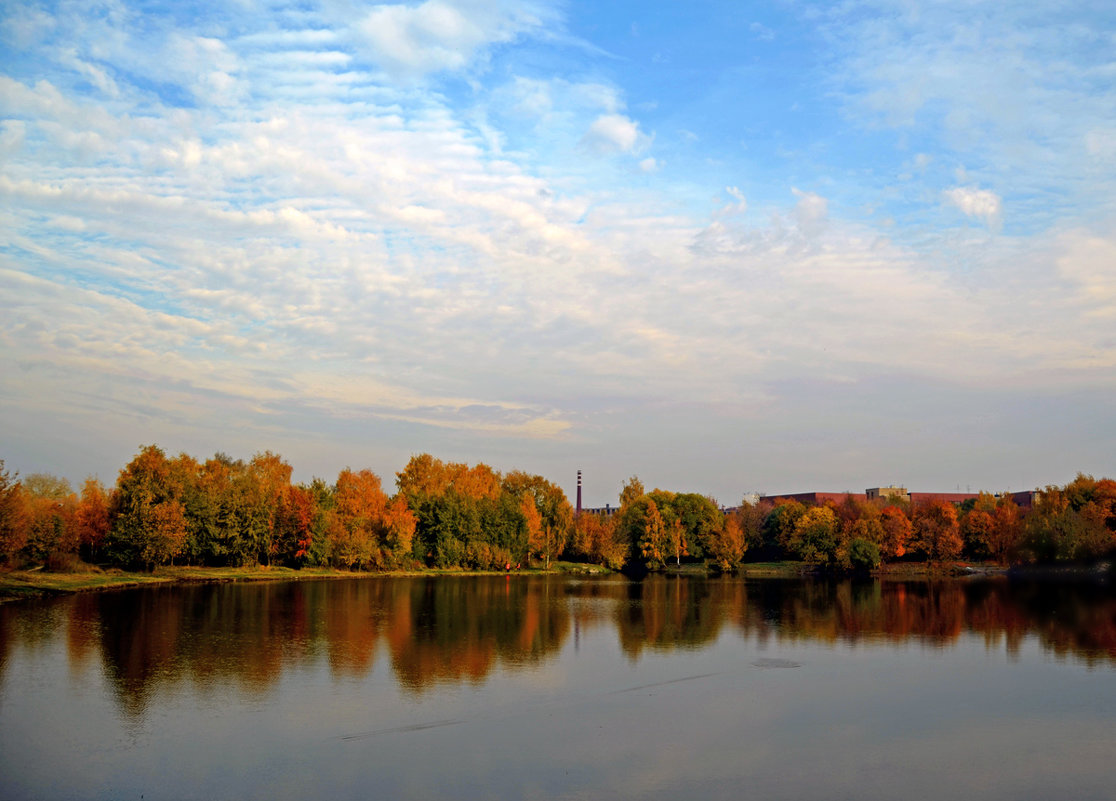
728 247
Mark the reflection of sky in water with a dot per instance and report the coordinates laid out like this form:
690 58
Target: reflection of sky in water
542 705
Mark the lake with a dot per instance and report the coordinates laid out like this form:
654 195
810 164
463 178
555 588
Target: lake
550 687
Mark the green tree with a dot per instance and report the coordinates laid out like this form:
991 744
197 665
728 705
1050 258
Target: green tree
780 523
701 522
555 515
863 554
814 538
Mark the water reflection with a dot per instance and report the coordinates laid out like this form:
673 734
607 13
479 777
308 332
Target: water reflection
459 630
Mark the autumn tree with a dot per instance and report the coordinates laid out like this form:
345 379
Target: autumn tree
323 503
149 524
47 486
936 532
426 476
672 541
1072 523
91 519
814 537
751 518
269 479
294 526
532 521
597 538
726 549
677 542
1003 536
51 534
780 523
555 515
397 531
13 515
462 514
366 527
647 532
896 532
631 492
165 535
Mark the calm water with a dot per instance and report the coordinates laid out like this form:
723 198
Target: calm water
528 687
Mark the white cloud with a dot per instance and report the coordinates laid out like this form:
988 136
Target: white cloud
206 66
615 133
810 212
336 252
1088 260
96 75
11 136
1021 90
439 35
979 203
738 205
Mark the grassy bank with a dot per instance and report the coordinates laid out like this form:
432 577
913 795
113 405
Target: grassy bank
17 584
774 569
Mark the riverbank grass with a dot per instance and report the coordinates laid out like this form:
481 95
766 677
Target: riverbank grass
18 584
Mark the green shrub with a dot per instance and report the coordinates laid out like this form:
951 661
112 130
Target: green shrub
864 554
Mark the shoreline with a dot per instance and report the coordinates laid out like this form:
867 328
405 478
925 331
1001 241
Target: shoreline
16 585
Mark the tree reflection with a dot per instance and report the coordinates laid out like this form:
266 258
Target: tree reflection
453 630
458 629
666 613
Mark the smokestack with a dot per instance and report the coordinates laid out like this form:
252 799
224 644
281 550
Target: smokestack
578 493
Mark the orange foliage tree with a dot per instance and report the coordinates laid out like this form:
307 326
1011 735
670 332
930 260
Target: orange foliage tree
356 519
1003 537
936 531
598 539
92 517
294 525
726 549
148 519
365 527
549 524
13 515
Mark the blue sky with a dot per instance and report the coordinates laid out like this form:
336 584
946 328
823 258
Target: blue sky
728 247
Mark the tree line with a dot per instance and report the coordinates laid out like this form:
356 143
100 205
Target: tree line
231 512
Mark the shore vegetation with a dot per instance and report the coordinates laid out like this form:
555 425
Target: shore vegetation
176 518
